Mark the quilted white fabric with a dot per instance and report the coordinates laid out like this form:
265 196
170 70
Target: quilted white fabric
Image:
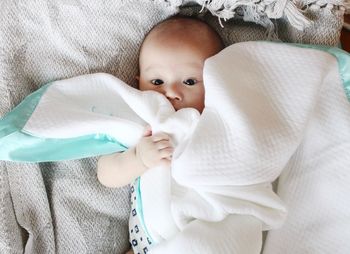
282 108
315 183
267 109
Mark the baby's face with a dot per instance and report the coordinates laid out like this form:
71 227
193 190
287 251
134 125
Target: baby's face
174 69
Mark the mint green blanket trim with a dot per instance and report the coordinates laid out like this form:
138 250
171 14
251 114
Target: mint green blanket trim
17 118
343 59
15 145
19 146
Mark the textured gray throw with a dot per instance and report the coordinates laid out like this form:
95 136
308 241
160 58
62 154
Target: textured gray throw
61 207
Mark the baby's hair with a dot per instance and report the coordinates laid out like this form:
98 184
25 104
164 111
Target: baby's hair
189 24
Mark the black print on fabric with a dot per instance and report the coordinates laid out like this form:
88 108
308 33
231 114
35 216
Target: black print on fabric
137 233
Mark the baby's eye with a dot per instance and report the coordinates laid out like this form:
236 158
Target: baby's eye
190 82
157 82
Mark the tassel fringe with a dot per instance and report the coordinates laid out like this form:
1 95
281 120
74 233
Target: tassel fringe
264 11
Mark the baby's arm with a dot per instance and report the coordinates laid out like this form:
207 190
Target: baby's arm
119 169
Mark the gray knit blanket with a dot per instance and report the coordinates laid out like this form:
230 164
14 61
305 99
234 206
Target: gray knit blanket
61 207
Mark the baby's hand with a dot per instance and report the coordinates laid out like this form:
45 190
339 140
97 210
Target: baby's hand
154 150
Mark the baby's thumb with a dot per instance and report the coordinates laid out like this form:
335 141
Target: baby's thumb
147 131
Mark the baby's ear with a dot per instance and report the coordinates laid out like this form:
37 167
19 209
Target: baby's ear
137 78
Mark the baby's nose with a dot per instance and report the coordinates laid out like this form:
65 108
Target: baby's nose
173 92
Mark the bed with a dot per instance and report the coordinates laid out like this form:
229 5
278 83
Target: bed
60 207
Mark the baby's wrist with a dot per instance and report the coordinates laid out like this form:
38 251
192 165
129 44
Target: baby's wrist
139 160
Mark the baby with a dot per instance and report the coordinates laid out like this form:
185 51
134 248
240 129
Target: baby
171 62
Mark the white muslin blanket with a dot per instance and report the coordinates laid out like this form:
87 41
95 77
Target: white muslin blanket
217 196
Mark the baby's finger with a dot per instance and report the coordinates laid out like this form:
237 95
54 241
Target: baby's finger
166 152
163 144
160 136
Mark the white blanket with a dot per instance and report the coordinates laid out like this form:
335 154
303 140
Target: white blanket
260 103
